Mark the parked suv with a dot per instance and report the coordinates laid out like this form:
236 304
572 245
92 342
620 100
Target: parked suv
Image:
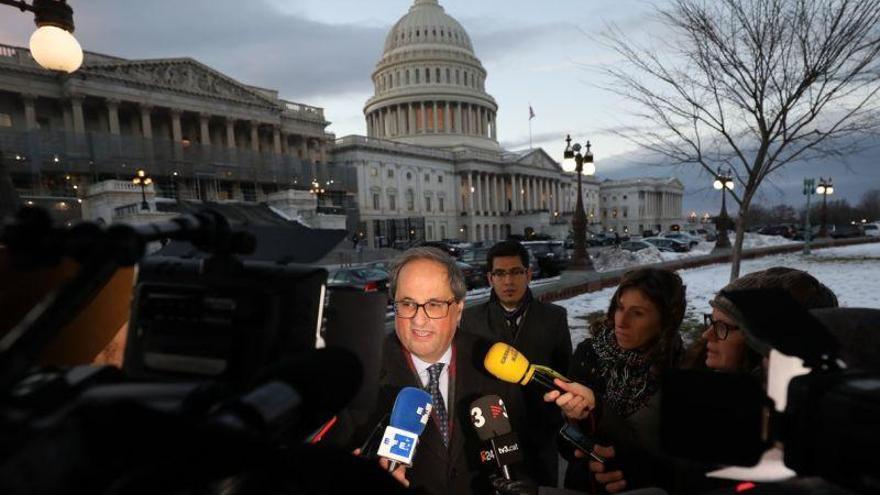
845 231
550 255
785 230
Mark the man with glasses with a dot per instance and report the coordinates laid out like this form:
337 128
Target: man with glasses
539 330
427 351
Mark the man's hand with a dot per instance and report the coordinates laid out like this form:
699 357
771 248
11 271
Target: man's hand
512 487
399 473
577 401
613 481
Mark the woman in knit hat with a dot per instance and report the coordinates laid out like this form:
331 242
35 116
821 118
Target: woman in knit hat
723 345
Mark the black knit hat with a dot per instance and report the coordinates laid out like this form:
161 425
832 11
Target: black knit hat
804 288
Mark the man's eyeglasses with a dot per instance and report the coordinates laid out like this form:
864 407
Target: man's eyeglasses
513 272
720 328
433 309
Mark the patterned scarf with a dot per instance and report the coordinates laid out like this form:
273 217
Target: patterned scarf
629 380
512 317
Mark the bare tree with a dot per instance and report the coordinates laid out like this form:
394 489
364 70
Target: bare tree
753 85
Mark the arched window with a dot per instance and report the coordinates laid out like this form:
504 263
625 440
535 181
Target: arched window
427 75
407 76
447 76
437 74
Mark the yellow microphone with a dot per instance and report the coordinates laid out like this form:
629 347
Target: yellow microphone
509 365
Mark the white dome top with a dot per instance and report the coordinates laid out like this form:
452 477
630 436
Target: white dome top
427 23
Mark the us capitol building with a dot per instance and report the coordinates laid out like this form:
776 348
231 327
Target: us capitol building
429 168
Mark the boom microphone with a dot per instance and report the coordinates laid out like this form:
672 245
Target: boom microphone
489 417
410 414
509 365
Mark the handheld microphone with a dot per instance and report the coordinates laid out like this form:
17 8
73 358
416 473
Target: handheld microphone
410 414
489 417
509 365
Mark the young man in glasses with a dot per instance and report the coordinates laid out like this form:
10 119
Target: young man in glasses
426 350
538 330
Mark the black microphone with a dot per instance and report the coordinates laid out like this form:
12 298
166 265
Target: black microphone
489 417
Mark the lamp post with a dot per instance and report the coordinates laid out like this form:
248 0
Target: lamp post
581 259
52 44
142 179
824 188
809 190
723 182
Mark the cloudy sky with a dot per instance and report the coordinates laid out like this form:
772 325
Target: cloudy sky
322 52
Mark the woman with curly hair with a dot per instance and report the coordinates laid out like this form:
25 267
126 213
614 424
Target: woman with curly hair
621 365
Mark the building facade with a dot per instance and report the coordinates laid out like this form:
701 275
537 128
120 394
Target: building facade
430 166
199 135
633 206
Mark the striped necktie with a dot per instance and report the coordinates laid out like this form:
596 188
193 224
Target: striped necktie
439 406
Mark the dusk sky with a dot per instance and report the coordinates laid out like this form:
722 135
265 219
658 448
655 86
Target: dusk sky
322 52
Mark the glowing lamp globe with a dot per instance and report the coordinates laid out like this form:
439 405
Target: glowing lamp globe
56 49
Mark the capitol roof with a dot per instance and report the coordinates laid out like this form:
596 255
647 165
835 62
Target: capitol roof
427 23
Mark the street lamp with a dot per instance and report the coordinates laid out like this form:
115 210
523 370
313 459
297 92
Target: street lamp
723 182
143 180
809 190
824 188
52 44
581 259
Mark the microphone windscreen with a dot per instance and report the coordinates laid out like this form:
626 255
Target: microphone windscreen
507 449
506 363
411 411
489 417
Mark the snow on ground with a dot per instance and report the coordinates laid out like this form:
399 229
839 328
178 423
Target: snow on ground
852 272
613 258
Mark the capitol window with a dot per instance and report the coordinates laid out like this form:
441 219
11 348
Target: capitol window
437 74
410 200
374 171
375 201
409 176
392 201
440 179
448 79
440 204
427 177
390 173
427 75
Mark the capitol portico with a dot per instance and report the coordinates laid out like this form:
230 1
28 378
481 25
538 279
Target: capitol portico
430 166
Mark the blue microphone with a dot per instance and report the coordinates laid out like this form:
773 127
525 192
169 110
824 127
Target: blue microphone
411 412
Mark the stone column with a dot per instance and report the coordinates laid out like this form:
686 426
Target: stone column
557 203
255 136
480 204
204 129
458 118
424 119
436 119
176 134
276 139
113 116
514 192
79 120
447 119
147 129
30 111
304 147
494 126
470 191
230 133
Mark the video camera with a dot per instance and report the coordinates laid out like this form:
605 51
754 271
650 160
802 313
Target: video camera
829 427
221 379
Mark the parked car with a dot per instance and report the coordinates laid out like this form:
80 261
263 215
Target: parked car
683 237
551 256
785 230
365 279
704 234
474 277
872 229
845 231
634 246
475 257
453 250
800 231
667 244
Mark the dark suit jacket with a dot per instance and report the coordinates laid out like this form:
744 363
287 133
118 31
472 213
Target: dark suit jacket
543 338
435 468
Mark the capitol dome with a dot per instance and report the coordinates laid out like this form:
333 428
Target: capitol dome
430 86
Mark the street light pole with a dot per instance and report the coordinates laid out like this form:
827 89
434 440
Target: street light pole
723 182
808 230
581 259
142 179
824 188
